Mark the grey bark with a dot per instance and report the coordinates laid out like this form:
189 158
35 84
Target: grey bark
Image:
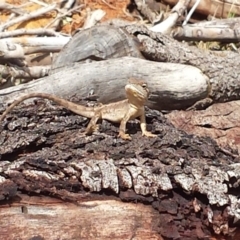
97 43
223 30
220 81
171 85
222 71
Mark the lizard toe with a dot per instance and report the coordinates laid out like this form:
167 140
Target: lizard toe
148 134
125 136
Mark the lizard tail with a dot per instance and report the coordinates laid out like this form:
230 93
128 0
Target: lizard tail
78 109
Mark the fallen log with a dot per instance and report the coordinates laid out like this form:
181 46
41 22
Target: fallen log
43 153
171 85
190 183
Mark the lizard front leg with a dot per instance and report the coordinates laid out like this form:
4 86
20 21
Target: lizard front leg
122 128
92 126
143 126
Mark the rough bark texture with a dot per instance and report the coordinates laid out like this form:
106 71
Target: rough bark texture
43 152
219 121
223 71
97 43
105 81
223 30
189 181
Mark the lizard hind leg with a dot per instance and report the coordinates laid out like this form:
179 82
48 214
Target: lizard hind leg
92 125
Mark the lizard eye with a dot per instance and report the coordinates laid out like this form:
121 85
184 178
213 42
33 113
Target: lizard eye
144 85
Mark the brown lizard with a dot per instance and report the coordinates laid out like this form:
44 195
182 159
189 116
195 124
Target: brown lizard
137 94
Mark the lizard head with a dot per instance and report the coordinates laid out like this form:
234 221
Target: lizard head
137 92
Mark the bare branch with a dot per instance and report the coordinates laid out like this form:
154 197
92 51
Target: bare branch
10 51
9 75
34 44
224 30
191 12
145 10
63 15
93 17
177 11
24 31
27 16
11 8
15 72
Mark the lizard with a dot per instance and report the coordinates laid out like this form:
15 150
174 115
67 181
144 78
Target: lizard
137 93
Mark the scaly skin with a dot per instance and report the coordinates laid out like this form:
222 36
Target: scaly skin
133 107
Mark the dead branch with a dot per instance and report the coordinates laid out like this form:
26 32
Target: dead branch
27 16
36 44
224 30
160 47
24 31
143 7
93 18
216 8
61 15
66 5
12 8
176 12
9 50
20 72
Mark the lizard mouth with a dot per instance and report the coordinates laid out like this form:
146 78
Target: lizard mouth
136 92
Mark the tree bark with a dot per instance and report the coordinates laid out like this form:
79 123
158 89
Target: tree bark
190 183
222 71
99 218
106 80
166 93
222 30
43 152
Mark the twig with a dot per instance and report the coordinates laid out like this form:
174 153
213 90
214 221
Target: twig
20 72
145 10
23 31
191 12
69 3
109 5
10 50
63 15
93 18
27 16
132 15
11 8
167 24
46 5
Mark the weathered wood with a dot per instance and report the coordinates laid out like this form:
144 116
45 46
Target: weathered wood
202 90
223 30
216 8
99 218
97 43
171 85
222 71
42 151
220 122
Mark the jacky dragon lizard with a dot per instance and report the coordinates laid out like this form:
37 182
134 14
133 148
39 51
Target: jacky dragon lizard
137 94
